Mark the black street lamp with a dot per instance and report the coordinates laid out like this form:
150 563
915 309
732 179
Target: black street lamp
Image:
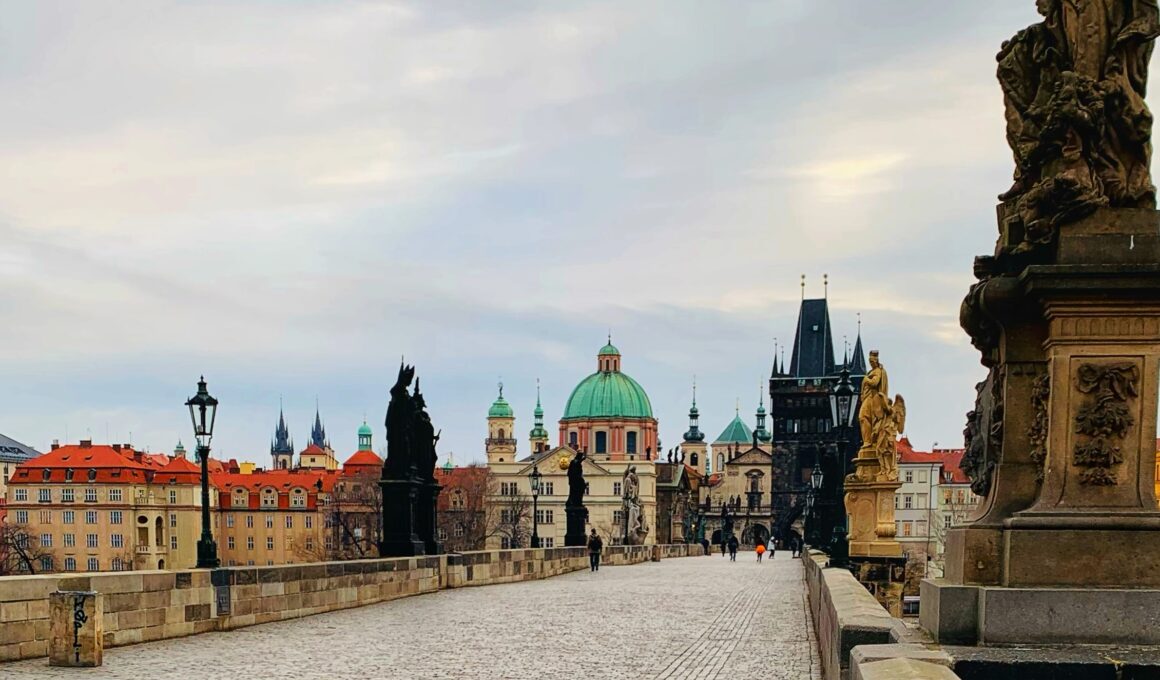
203 411
534 477
812 499
843 401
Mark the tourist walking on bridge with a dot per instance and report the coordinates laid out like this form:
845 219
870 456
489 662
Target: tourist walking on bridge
733 548
595 546
760 550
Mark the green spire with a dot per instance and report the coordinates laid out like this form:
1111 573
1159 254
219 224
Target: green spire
538 432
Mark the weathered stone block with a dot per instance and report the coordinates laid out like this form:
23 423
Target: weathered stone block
13 611
15 632
1060 616
950 613
902 669
77 629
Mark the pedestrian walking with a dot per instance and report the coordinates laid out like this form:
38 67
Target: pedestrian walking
772 548
705 546
795 546
595 546
724 543
733 548
760 550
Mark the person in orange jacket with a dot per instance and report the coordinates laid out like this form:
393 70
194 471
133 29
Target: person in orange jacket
760 551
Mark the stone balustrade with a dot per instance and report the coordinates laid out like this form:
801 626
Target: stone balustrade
142 606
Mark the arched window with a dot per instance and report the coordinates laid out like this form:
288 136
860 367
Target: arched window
601 442
501 433
630 442
572 439
693 459
720 462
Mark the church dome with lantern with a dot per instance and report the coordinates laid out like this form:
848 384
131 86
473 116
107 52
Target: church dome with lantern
609 413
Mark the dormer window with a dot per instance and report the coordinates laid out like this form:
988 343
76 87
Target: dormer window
68 475
92 475
46 474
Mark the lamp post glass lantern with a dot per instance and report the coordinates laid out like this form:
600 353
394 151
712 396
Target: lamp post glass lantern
534 479
843 409
203 413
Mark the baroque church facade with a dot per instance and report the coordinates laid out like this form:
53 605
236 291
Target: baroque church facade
608 415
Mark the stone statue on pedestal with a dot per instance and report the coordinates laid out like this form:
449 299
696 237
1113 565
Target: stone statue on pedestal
635 529
881 420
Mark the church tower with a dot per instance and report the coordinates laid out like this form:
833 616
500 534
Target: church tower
538 437
365 435
763 436
282 448
693 446
318 432
501 423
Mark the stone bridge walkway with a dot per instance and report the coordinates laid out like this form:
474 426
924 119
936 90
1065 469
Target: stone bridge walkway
696 617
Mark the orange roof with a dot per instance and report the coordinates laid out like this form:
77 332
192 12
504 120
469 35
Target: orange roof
313 449
361 458
279 479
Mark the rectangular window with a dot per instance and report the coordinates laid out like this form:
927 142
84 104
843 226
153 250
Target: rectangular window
909 476
115 495
309 543
922 476
601 442
947 521
616 488
230 521
309 522
115 517
921 501
91 540
46 516
230 542
547 542
68 517
505 515
618 518
172 542
118 564
46 540
897 501
269 543
46 563
20 495
289 521
547 488
70 564
298 500
249 563
906 528
630 442
44 496
249 542
269 521
90 495
920 528
117 541
172 520
22 517
70 540
504 542
249 521
173 496
94 564
66 495
908 501
90 516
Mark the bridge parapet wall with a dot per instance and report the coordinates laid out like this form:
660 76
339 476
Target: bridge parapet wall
143 606
845 615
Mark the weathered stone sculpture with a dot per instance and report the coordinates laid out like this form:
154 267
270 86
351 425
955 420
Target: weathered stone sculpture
577 514
635 529
1066 317
1073 89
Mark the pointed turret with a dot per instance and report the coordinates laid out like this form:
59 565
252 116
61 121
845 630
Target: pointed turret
318 432
858 361
761 435
538 436
282 447
813 343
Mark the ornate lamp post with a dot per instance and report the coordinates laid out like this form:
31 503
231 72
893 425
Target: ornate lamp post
203 411
816 479
534 477
843 400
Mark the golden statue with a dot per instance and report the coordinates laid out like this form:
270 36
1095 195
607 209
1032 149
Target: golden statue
881 420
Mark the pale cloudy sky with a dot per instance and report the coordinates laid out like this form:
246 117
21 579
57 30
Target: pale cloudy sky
287 196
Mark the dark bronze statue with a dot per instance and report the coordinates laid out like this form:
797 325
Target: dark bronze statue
576 484
423 438
400 413
1073 89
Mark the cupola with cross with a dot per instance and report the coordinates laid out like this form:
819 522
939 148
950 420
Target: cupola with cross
501 422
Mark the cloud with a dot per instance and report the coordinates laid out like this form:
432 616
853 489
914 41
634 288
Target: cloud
288 196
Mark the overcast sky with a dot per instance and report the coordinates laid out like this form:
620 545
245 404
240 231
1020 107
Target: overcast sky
288 196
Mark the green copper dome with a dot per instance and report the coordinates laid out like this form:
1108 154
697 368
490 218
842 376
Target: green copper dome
500 408
365 430
608 394
609 350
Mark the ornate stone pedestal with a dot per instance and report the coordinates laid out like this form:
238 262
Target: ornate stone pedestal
577 518
426 517
399 537
1063 444
870 506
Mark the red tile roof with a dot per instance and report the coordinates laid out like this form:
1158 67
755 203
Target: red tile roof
948 459
363 459
112 464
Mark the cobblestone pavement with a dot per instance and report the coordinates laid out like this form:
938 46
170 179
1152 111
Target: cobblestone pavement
694 617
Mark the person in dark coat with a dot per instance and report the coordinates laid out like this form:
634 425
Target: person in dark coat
595 546
705 546
733 548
